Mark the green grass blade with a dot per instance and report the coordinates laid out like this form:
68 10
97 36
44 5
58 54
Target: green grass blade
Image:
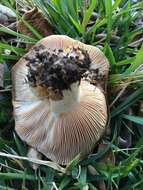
73 163
130 100
77 25
12 48
95 157
127 61
109 53
32 29
72 10
10 57
8 176
20 146
56 15
135 119
13 33
108 9
65 181
6 188
88 13
137 62
92 187
57 4
116 4
83 178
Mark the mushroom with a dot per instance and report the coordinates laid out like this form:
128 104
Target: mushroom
59 108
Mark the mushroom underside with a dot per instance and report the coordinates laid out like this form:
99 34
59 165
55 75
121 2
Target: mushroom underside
60 137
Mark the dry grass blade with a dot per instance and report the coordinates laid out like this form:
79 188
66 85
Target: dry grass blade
36 161
118 95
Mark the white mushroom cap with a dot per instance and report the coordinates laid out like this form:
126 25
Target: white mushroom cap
64 128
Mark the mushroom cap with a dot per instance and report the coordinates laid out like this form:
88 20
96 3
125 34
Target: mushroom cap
60 137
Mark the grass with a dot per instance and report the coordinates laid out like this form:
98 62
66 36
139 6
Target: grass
116 29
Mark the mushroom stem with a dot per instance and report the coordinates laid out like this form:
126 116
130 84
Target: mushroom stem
70 100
